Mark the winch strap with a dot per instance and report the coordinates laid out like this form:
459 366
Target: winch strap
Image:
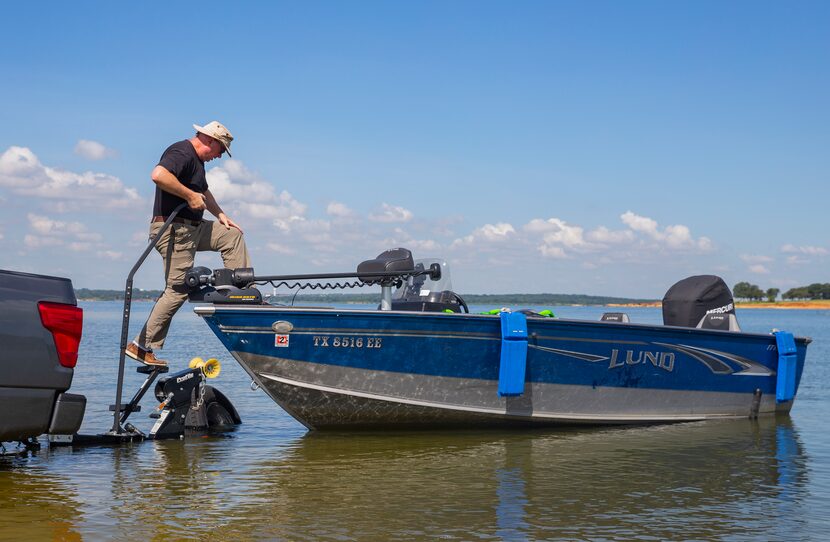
787 359
513 360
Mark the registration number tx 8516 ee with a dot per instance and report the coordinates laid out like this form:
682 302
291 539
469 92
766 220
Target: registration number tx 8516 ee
326 341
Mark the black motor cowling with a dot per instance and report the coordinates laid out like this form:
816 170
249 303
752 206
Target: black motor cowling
690 299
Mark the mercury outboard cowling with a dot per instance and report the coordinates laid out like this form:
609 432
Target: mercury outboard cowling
689 300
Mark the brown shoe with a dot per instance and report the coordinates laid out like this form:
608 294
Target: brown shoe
144 356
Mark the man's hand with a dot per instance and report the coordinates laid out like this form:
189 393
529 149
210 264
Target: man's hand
227 222
196 201
170 184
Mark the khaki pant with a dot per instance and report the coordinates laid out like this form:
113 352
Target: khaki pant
178 246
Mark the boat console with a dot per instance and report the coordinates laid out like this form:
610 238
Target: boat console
423 293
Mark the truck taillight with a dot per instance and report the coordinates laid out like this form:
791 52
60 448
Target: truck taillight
66 323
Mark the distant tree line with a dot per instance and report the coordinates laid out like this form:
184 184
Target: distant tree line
751 292
109 295
813 291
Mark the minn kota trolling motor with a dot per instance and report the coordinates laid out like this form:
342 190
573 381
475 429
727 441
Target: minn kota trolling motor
186 403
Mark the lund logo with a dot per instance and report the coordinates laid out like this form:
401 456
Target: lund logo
663 360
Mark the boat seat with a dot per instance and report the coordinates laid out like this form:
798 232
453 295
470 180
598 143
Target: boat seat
620 317
725 322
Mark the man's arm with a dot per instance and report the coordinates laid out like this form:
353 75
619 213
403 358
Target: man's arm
170 184
216 211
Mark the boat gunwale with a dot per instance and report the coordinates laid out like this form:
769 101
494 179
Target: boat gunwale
210 309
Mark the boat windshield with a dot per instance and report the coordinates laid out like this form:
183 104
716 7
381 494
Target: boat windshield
423 285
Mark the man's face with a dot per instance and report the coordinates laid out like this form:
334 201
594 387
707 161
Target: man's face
216 149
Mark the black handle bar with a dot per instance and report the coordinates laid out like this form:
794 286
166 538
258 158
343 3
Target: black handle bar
125 323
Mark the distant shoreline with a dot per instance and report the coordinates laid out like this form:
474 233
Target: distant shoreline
821 304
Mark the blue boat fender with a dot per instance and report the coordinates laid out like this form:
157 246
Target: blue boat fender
513 361
787 361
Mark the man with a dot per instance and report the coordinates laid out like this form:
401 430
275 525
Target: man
180 177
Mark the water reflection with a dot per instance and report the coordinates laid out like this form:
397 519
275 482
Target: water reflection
693 480
705 480
37 505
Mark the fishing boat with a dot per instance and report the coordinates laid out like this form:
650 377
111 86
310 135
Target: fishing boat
421 359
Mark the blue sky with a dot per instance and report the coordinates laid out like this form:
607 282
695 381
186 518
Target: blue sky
573 147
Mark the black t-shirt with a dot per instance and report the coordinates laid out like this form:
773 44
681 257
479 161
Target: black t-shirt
181 160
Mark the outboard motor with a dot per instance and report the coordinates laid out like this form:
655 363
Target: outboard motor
688 301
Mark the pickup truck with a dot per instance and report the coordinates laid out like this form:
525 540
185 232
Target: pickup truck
40 332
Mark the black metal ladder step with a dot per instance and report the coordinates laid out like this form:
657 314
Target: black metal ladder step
148 369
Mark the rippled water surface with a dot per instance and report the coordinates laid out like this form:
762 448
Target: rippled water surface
271 479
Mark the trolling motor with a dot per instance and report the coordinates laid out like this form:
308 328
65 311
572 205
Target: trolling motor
223 286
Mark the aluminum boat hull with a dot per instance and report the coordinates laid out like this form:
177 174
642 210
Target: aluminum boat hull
358 369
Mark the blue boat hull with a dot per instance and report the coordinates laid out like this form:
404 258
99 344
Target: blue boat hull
369 369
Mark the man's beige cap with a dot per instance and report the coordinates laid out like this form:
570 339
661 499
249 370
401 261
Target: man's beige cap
217 131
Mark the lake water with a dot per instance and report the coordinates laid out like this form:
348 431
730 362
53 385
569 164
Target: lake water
272 480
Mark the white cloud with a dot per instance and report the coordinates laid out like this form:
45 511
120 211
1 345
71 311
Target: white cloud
672 237
556 233
560 239
419 247
244 193
486 234
232 181
77 246
111 255
807 250
496 232
424 246
281 249
46 232
25 175
46 226
338 209
605 236
640 224
35 241
552 251
92 150
758 269
753 258
391 213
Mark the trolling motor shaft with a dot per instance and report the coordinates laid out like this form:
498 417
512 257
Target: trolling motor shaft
389 269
